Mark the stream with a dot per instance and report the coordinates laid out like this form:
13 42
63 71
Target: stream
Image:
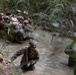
52 61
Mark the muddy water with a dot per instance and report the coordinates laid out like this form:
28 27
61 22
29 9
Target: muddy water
52 61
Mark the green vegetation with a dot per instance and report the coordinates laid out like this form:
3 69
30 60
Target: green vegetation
53 15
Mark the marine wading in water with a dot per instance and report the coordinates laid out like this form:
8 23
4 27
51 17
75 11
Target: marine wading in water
30 56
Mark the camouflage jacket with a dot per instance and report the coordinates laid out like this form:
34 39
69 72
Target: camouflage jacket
27 55
71 49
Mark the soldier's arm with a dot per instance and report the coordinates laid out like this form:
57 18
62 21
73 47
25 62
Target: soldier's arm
29 27
18 53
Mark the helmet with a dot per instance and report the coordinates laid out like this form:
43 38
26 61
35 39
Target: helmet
25 12
18 11
6 18
33 43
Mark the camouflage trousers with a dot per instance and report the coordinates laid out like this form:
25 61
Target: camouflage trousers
71 61
75 69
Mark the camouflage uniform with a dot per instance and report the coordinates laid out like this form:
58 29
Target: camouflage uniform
25 15
28 29
29 59
75 70
18 31
1 21
18 12
71 51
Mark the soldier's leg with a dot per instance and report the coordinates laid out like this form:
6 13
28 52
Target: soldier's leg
71 61
24 67
75 69
17 38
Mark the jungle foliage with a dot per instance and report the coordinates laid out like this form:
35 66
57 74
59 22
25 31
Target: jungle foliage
57 16
52 15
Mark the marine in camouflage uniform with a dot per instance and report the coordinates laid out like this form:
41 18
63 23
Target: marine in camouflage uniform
28 29
26 17
71 51
4 26
30 56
